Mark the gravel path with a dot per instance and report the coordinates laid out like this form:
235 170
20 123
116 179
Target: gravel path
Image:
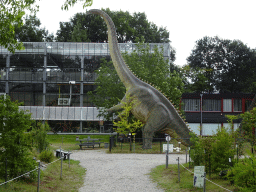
120 172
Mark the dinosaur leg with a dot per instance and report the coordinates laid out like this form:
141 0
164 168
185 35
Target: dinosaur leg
157 120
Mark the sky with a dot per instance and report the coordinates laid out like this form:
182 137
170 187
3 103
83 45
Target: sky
186 20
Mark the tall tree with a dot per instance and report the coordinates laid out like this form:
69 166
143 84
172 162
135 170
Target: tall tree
31 31
128 28
14 140
11 16
150 67
226 63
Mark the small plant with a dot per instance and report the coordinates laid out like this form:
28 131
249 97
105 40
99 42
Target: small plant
46 156
213 151
243 174
39 132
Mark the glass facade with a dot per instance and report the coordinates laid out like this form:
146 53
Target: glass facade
53 79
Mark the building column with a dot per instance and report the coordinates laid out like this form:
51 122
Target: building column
44 82
81 92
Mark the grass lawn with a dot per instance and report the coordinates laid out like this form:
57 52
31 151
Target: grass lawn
72 179
68 142
168 180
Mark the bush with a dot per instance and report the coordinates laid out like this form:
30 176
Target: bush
39 132
46 156
243 174
217 148
15 143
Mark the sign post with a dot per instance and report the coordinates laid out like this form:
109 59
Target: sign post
199 176
168 138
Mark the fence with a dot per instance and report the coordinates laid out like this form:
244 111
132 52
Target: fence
62 156
128 145
131 144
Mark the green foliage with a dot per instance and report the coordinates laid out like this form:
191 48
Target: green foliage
127 125
46 156
39 133
31 31
15 144
195 79
110 90
249 125
154 68
243 174
70 3
226 63
128 28
11 17
218 149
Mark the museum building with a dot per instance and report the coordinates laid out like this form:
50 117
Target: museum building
53 79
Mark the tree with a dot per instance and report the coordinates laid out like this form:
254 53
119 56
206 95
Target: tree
128 28
195 79
127 125
225 62
248 126
15 143
150 67
31 31
11 17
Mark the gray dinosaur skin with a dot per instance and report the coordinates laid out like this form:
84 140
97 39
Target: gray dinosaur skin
153 108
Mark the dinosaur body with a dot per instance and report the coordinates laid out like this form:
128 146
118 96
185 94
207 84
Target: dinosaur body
153 108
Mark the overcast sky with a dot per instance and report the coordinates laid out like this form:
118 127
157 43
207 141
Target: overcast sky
186 20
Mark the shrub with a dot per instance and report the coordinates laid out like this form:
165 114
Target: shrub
243 174
222 150
15 143
46 156
40 134
217 148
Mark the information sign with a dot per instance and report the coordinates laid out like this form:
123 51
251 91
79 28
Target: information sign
199 176
170 148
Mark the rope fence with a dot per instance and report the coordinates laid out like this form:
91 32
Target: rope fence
202 176
39 167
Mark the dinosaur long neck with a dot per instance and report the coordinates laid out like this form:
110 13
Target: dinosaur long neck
123 71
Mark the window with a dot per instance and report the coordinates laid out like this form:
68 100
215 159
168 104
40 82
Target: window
227 105
211 105
247 104
210 128
237 104
195 127
191 104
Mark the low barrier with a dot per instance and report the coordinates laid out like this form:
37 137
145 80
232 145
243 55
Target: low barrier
39 169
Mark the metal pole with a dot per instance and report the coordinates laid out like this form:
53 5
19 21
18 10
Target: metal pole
178 169
167 154
209 166
5 171
201 109
189 157
204 181
61 164
110 144
68 160
160 145
186 155
38 177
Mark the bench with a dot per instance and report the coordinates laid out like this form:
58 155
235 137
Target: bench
89 144
66 154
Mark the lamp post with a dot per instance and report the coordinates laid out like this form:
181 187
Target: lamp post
201 110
